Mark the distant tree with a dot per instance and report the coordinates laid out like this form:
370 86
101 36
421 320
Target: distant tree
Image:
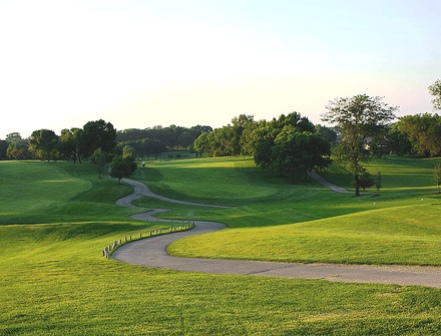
397 141
128 152
363 123
97 134
327 133
148 147
435 90
122 167
44 143
437 175
202 144
248 139
186 139
99 159
18 148
295 151
3 149
263 147
69 144
239 124
267 132
423 132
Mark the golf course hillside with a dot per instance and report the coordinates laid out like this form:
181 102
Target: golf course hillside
56 218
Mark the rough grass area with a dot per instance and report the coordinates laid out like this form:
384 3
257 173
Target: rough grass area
54 280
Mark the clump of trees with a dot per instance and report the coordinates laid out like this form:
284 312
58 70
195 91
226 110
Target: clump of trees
72 145
288 145
423 132
228 140
123 165
95 141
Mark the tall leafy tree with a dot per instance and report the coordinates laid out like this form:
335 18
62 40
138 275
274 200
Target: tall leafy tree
202 144
97 134
69 144
327 133
424 133
267 133
122 166
239 124
99 159
398 141
363 123
295 152
17 147
44 143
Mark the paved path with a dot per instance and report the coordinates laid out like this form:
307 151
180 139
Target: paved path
331 186
151 252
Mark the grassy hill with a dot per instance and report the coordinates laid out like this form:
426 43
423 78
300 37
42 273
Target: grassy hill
305 222
56 218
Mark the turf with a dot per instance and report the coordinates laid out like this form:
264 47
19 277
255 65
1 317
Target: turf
54 280
306 222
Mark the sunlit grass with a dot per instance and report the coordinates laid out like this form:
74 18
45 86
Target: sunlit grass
54 280
404 235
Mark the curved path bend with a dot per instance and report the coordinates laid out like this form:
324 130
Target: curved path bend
152 252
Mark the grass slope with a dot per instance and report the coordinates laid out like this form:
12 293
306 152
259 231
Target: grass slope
306 222
53 279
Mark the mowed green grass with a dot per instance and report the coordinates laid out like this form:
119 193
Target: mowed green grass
305 222
54 281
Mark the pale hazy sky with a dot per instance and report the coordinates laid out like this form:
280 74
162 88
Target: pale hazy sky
143 63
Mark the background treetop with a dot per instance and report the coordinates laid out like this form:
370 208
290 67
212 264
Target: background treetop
435 90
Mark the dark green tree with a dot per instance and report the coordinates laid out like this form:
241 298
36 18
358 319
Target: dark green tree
122 167
99 159
363 122
44 143
203 144
397 141
299 152
69 144
423 132
17 147
327 133
267 132
97 134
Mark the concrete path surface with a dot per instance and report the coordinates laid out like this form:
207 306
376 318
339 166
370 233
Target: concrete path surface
327 184
152 252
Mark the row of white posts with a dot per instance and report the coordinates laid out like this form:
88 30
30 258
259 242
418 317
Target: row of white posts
112 247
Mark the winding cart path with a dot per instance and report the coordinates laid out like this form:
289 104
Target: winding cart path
152 252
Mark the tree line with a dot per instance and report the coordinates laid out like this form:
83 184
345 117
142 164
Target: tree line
72 144
95 141
288 145
363 127
77 143
154 141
